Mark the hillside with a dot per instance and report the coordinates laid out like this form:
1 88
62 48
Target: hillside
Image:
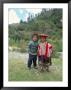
48 22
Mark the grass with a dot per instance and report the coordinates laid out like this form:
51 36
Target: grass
18 71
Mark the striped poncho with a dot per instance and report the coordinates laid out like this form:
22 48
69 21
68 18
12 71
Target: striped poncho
45 49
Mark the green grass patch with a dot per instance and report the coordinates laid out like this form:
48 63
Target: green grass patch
18 71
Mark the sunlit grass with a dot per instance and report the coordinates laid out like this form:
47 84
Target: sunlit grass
18 71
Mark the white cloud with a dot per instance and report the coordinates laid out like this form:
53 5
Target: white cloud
13 18
26 17
34 11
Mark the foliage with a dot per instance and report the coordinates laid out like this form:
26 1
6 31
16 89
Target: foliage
48 22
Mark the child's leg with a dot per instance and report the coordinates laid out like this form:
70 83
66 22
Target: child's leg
47 64
50 61
41 63
30 61
34 60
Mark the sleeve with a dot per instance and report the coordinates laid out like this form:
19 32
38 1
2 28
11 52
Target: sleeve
38 50
29 46
50 46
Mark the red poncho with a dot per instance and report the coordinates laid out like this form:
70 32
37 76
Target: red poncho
44 51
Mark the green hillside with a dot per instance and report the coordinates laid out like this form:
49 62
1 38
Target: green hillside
48 22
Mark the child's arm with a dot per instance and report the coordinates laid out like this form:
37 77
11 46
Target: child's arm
38 52
50 47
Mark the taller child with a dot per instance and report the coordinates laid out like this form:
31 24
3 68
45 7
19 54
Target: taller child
44 50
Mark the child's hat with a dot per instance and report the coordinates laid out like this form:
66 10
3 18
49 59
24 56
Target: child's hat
43 35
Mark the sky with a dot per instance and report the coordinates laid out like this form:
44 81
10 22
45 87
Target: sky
17 14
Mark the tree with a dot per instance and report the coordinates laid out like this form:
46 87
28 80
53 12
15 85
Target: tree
21 21
48 22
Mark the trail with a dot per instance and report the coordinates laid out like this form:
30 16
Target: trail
18 56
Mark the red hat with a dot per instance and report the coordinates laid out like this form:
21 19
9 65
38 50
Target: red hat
43 35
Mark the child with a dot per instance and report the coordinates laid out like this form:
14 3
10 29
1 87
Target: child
33 47
44 52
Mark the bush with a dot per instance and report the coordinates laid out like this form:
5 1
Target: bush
23 45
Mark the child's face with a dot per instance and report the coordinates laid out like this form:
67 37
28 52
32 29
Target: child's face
43 39
35 38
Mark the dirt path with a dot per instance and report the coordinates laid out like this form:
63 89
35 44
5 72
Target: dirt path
18 55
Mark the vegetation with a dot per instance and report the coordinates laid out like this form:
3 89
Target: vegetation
48 22
18 71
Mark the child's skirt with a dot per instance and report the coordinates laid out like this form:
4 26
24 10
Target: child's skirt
43 63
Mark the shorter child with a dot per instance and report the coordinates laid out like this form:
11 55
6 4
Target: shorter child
33 47
44 52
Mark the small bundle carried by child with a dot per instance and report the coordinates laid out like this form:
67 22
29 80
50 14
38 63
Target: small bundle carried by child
44 53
